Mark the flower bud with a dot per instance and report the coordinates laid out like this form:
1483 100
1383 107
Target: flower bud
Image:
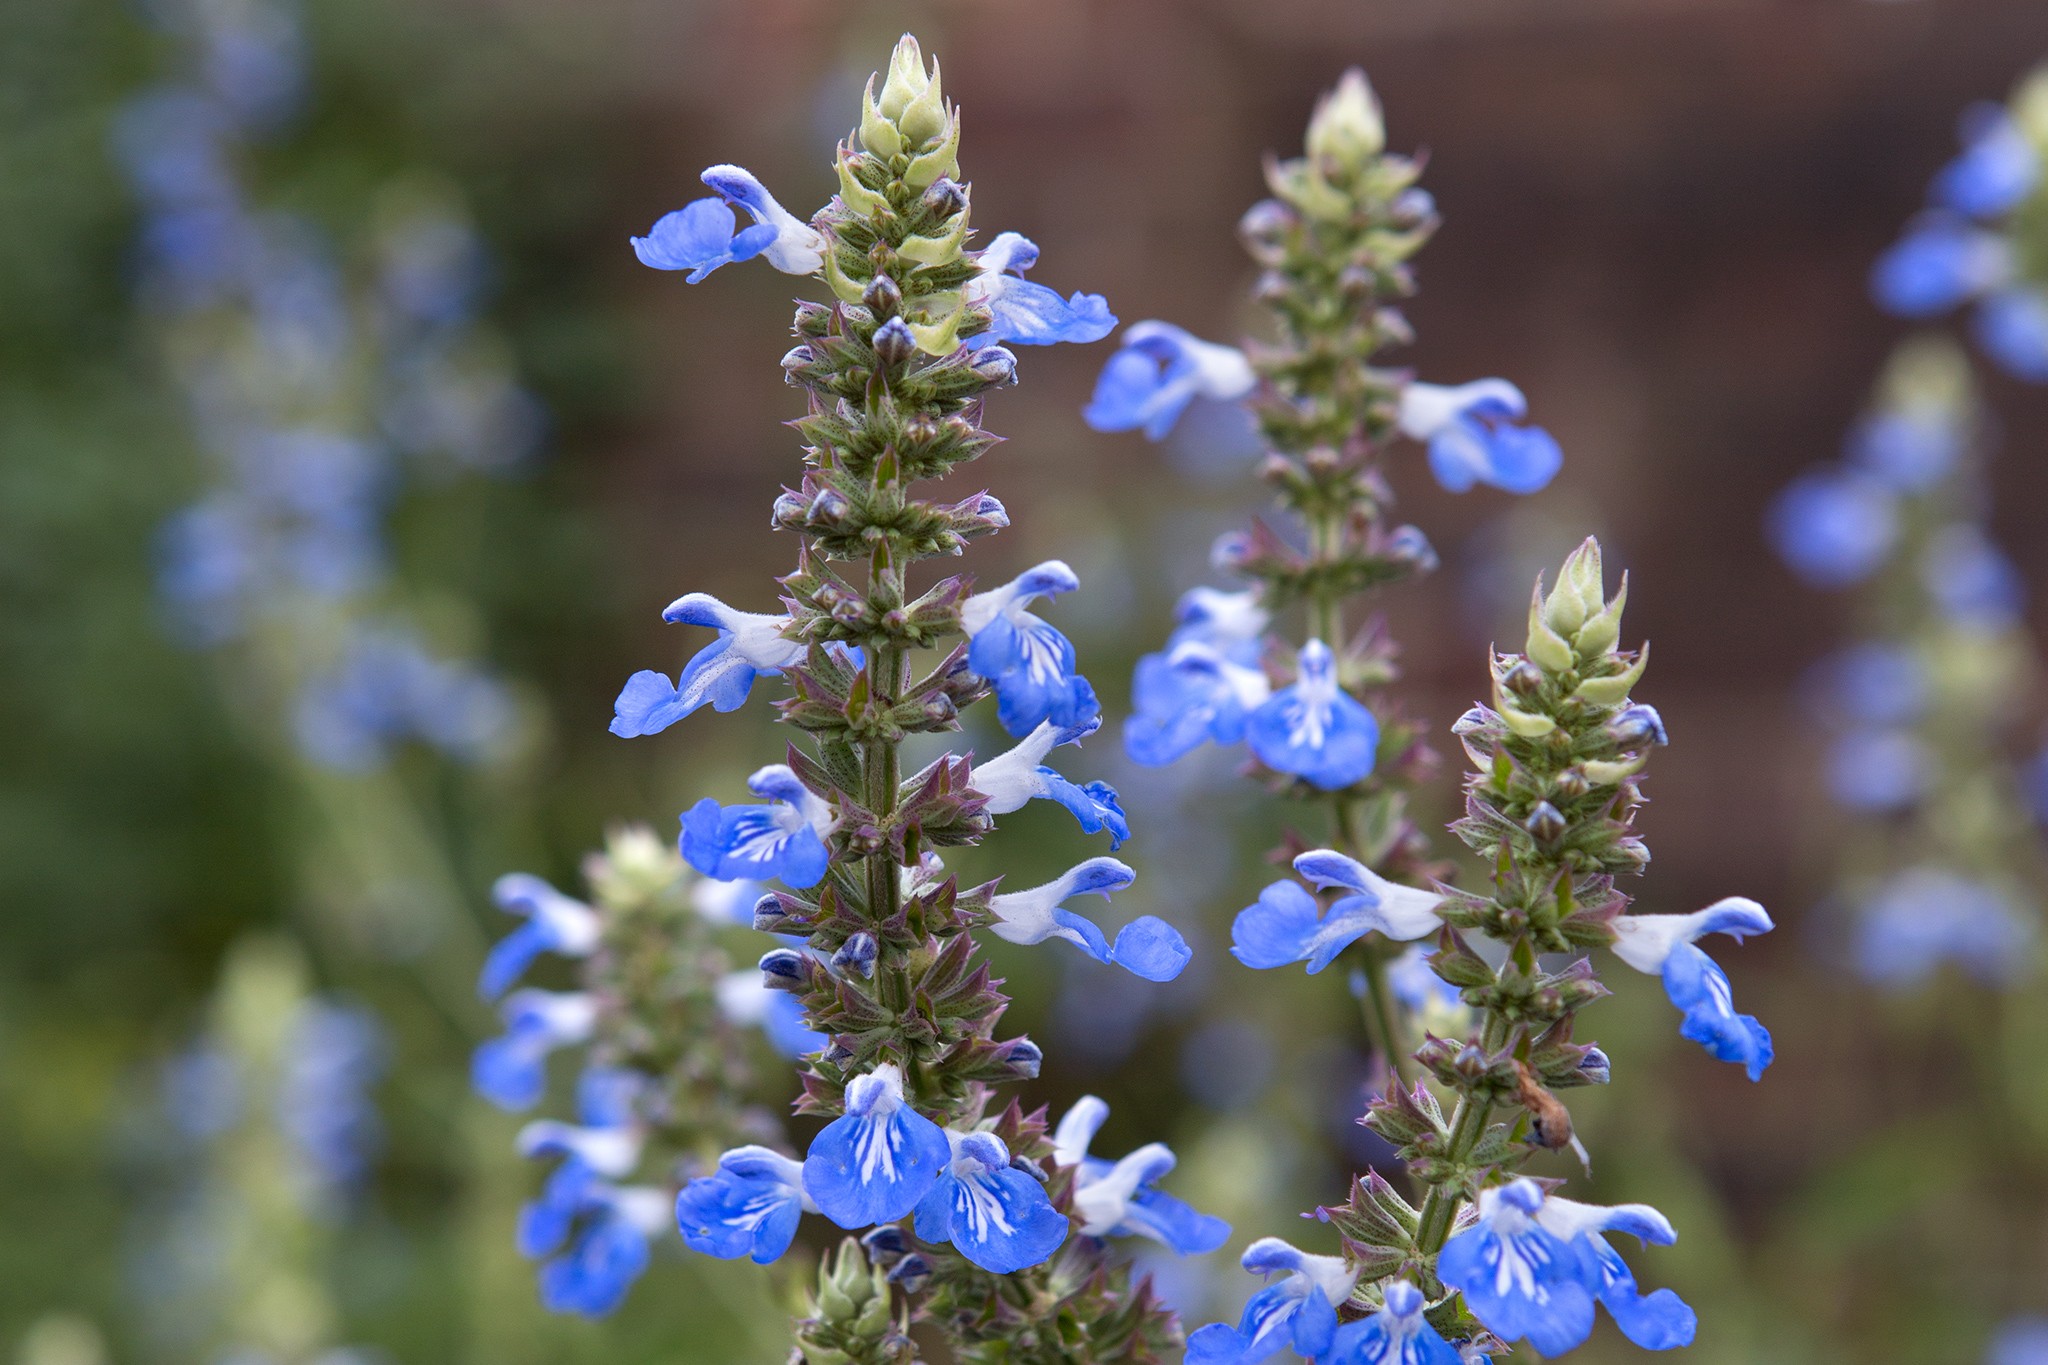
945 197
1024 1058
1596 1067
1579 592
1637 725
768 915
1347 127
1546 824
789 511
1572 783
797 357
1524 679
1407 545
894 342
786 969
906 79
885 1245
911 1273
829 509
996 365
882 296
1267 223
856 956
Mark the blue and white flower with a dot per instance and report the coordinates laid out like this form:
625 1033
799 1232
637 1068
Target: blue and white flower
610 1223
699 237
1473 437
750 645
1396 1335
555 923
785 838
1025 314
1028 662
1286 925
1158 371
1187 696
1147 947
1998 168
511 1070
1229 621
1664 945
875 1162
1834 527
1940 262
994 1214
1018 776
1314 729
2012 327
609 1253
1927 916
749 1207
1431 1001
1300 1310
1534 1265
746 999
1120 1198
1877 769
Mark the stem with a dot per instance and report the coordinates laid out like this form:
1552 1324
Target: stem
1468 1125
882 767
1376 1008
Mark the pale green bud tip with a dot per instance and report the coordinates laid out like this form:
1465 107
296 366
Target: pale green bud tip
1347 126
1578 594
2030 106
907 79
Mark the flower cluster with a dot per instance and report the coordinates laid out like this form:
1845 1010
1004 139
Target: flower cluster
952 1189
1489 1256
1980 238
314 400
1334 245
661 1017
1919 710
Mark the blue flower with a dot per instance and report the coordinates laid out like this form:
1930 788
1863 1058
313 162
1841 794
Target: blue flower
1971 579
610 1223
1314 729
1118 1199
386 689
1877 770
1026 314
1938 264
749 1207
1159 370
1300 1310
875 1162
333 1054
1148 947
1396 1335
749 645
511 1070
554 923
699 238
1030 664
609 1254
2021 1341
1534 1265
746 999
1429 999
1472 437
1926 916
1998 167
1874 683
785 838
994 1214
1011 779
1287 925
1187 696
1663 945
1834 527
1911 450
2012 327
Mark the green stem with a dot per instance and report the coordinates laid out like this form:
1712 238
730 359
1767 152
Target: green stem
1468 1125
1376 1007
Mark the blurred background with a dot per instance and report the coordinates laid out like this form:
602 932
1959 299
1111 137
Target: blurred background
1659 219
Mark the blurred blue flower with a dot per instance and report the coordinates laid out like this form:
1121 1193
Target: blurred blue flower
1877 770
2012 327
1874 683
1313 728
1910 451
333 1055
1120 1198
746 999
555 923
1473 438
1972 579
1938 264
1998 167
1834 527
1160 369
510 1070
387 689
1926 916
2020 1341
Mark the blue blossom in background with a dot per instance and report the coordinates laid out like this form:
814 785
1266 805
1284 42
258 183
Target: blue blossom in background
1313 728
1873 683
202 1091
590 1232
1998 167
333 1055
749 1207
1940 263
878 1160
555 923
1910 450
1026 314
995 1215
1012 779
1205 684
745 999
2012 327
2021 1341
1834 527
1147 947
1028 662
1287 924
1473 438
1664 945
1926 916
785 838
750 645
1120 1198
1298 1310
1157 371
1877 770
385 690
1972 579
510 1070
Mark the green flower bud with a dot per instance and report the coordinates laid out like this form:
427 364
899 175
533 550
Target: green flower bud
906 80
1546 648
1603 773
939 163
1579 591
926 117
1599 634
937 250
877 134
1348 128
858 198
1614 691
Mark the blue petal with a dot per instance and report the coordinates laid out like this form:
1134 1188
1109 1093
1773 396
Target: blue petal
509 958
742 843
647 705
1834 529
728 1216
1216 1344
699 238
1314 1325
1095 806
861 1171
544 1223
2012 327
593 1278
1556 1312
783 1023
511 1071
1998 168
1698 986
1656 1322
1480 446
1278 930
1150 948
1331 750
1031 667
1135 391
1173 713
1001 1220
1928 272
1028 314
1175 1222
1093 942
